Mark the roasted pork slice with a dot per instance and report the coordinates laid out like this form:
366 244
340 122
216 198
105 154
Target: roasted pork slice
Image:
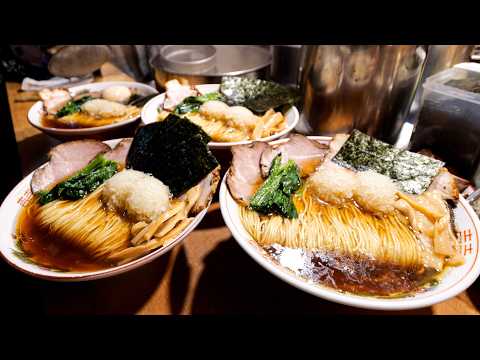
335 145
446 184
307 154
54 100
244 176
208 186
65 160
176 93
119 152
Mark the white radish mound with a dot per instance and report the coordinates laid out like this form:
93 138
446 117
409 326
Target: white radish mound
142 196
374 192
104 108
120 94
334 184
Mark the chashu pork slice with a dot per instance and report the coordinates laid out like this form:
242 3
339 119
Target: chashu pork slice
244 176
445 183
175 93
307 154
119 152
208 186
65 160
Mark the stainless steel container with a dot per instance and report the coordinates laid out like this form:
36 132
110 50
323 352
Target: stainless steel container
286 61
367 87
203 64
439 57
449 120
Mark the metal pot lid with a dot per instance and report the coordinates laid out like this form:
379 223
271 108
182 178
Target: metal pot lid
211 60
78 60
187 59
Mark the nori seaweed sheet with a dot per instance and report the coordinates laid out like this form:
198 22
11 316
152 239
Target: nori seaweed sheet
412 172
175 151
256 94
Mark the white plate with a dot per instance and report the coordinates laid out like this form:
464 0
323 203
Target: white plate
9 212
455 280
150 115
36 111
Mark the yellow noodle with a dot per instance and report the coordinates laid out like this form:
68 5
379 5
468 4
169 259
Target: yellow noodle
104 234
346 230
85 224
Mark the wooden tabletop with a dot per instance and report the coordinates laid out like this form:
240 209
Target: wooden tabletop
208 274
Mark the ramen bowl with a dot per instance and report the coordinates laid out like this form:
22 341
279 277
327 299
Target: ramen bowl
36 113
150 115
453 281
14 255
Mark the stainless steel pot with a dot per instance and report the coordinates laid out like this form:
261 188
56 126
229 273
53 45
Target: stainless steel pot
367 87
203 64
286 61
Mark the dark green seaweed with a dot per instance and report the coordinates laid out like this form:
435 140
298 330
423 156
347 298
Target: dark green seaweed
275 194
257 95
412 172
82 183
175 151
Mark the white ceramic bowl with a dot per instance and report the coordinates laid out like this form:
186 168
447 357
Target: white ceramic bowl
455 280
36 111
150 115
9 250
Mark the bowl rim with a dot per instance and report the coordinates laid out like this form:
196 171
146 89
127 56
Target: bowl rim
168 65
152 106
73 276
346 298
36 108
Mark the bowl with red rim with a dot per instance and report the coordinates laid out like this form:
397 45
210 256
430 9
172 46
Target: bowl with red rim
12 252
150 114
453 281
36 112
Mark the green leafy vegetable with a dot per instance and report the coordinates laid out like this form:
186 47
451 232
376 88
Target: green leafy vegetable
257 95
73 106
412 172
275 195
193 103
82 183
175 151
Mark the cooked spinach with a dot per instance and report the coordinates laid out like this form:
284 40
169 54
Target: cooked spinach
412 172
73 106
83 182
275 194
175 151
193 103
256 94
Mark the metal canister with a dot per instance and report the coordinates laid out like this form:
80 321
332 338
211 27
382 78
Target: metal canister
286 62
204 64
367 87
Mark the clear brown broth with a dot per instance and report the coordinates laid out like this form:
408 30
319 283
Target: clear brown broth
47 251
